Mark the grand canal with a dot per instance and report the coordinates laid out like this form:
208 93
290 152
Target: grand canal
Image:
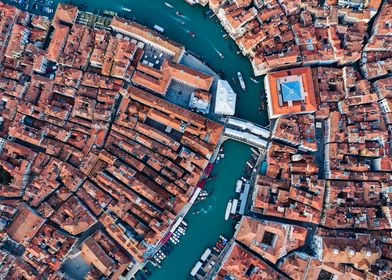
206 218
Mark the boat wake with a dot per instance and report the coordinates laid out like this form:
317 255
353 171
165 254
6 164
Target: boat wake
181 15
202 210
219 53
177 20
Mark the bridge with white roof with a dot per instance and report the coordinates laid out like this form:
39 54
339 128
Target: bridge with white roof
247 132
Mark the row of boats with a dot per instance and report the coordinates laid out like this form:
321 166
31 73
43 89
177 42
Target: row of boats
202 195
161 254
180 230
232 205
220 244
208 259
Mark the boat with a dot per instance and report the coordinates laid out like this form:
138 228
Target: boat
192 34
179 14
222 237
126 9
241 80
169 5
220 54
109 13
158 28
254 80
228 209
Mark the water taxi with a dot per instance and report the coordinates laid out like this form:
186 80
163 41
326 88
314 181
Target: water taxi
220 54
169 5
241 80
228 209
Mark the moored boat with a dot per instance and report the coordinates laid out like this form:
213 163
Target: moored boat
159 28
228 209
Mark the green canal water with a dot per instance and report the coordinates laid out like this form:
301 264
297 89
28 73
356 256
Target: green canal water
204 227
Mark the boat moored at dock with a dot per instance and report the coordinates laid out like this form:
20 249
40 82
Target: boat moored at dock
159 28
228 209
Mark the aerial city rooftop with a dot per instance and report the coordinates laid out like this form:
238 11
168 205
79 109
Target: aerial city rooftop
108 134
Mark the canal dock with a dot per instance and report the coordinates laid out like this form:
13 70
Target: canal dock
210 260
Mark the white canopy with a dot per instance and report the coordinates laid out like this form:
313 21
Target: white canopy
225 99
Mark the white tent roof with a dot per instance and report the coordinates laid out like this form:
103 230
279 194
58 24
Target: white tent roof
225 99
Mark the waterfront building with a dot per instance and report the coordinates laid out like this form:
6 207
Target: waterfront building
148 36
225 99
276 34
241 264
290 92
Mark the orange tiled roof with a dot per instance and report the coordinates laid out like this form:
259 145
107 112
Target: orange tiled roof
66 13
309 103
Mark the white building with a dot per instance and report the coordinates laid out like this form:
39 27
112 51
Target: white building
201 101
225 99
